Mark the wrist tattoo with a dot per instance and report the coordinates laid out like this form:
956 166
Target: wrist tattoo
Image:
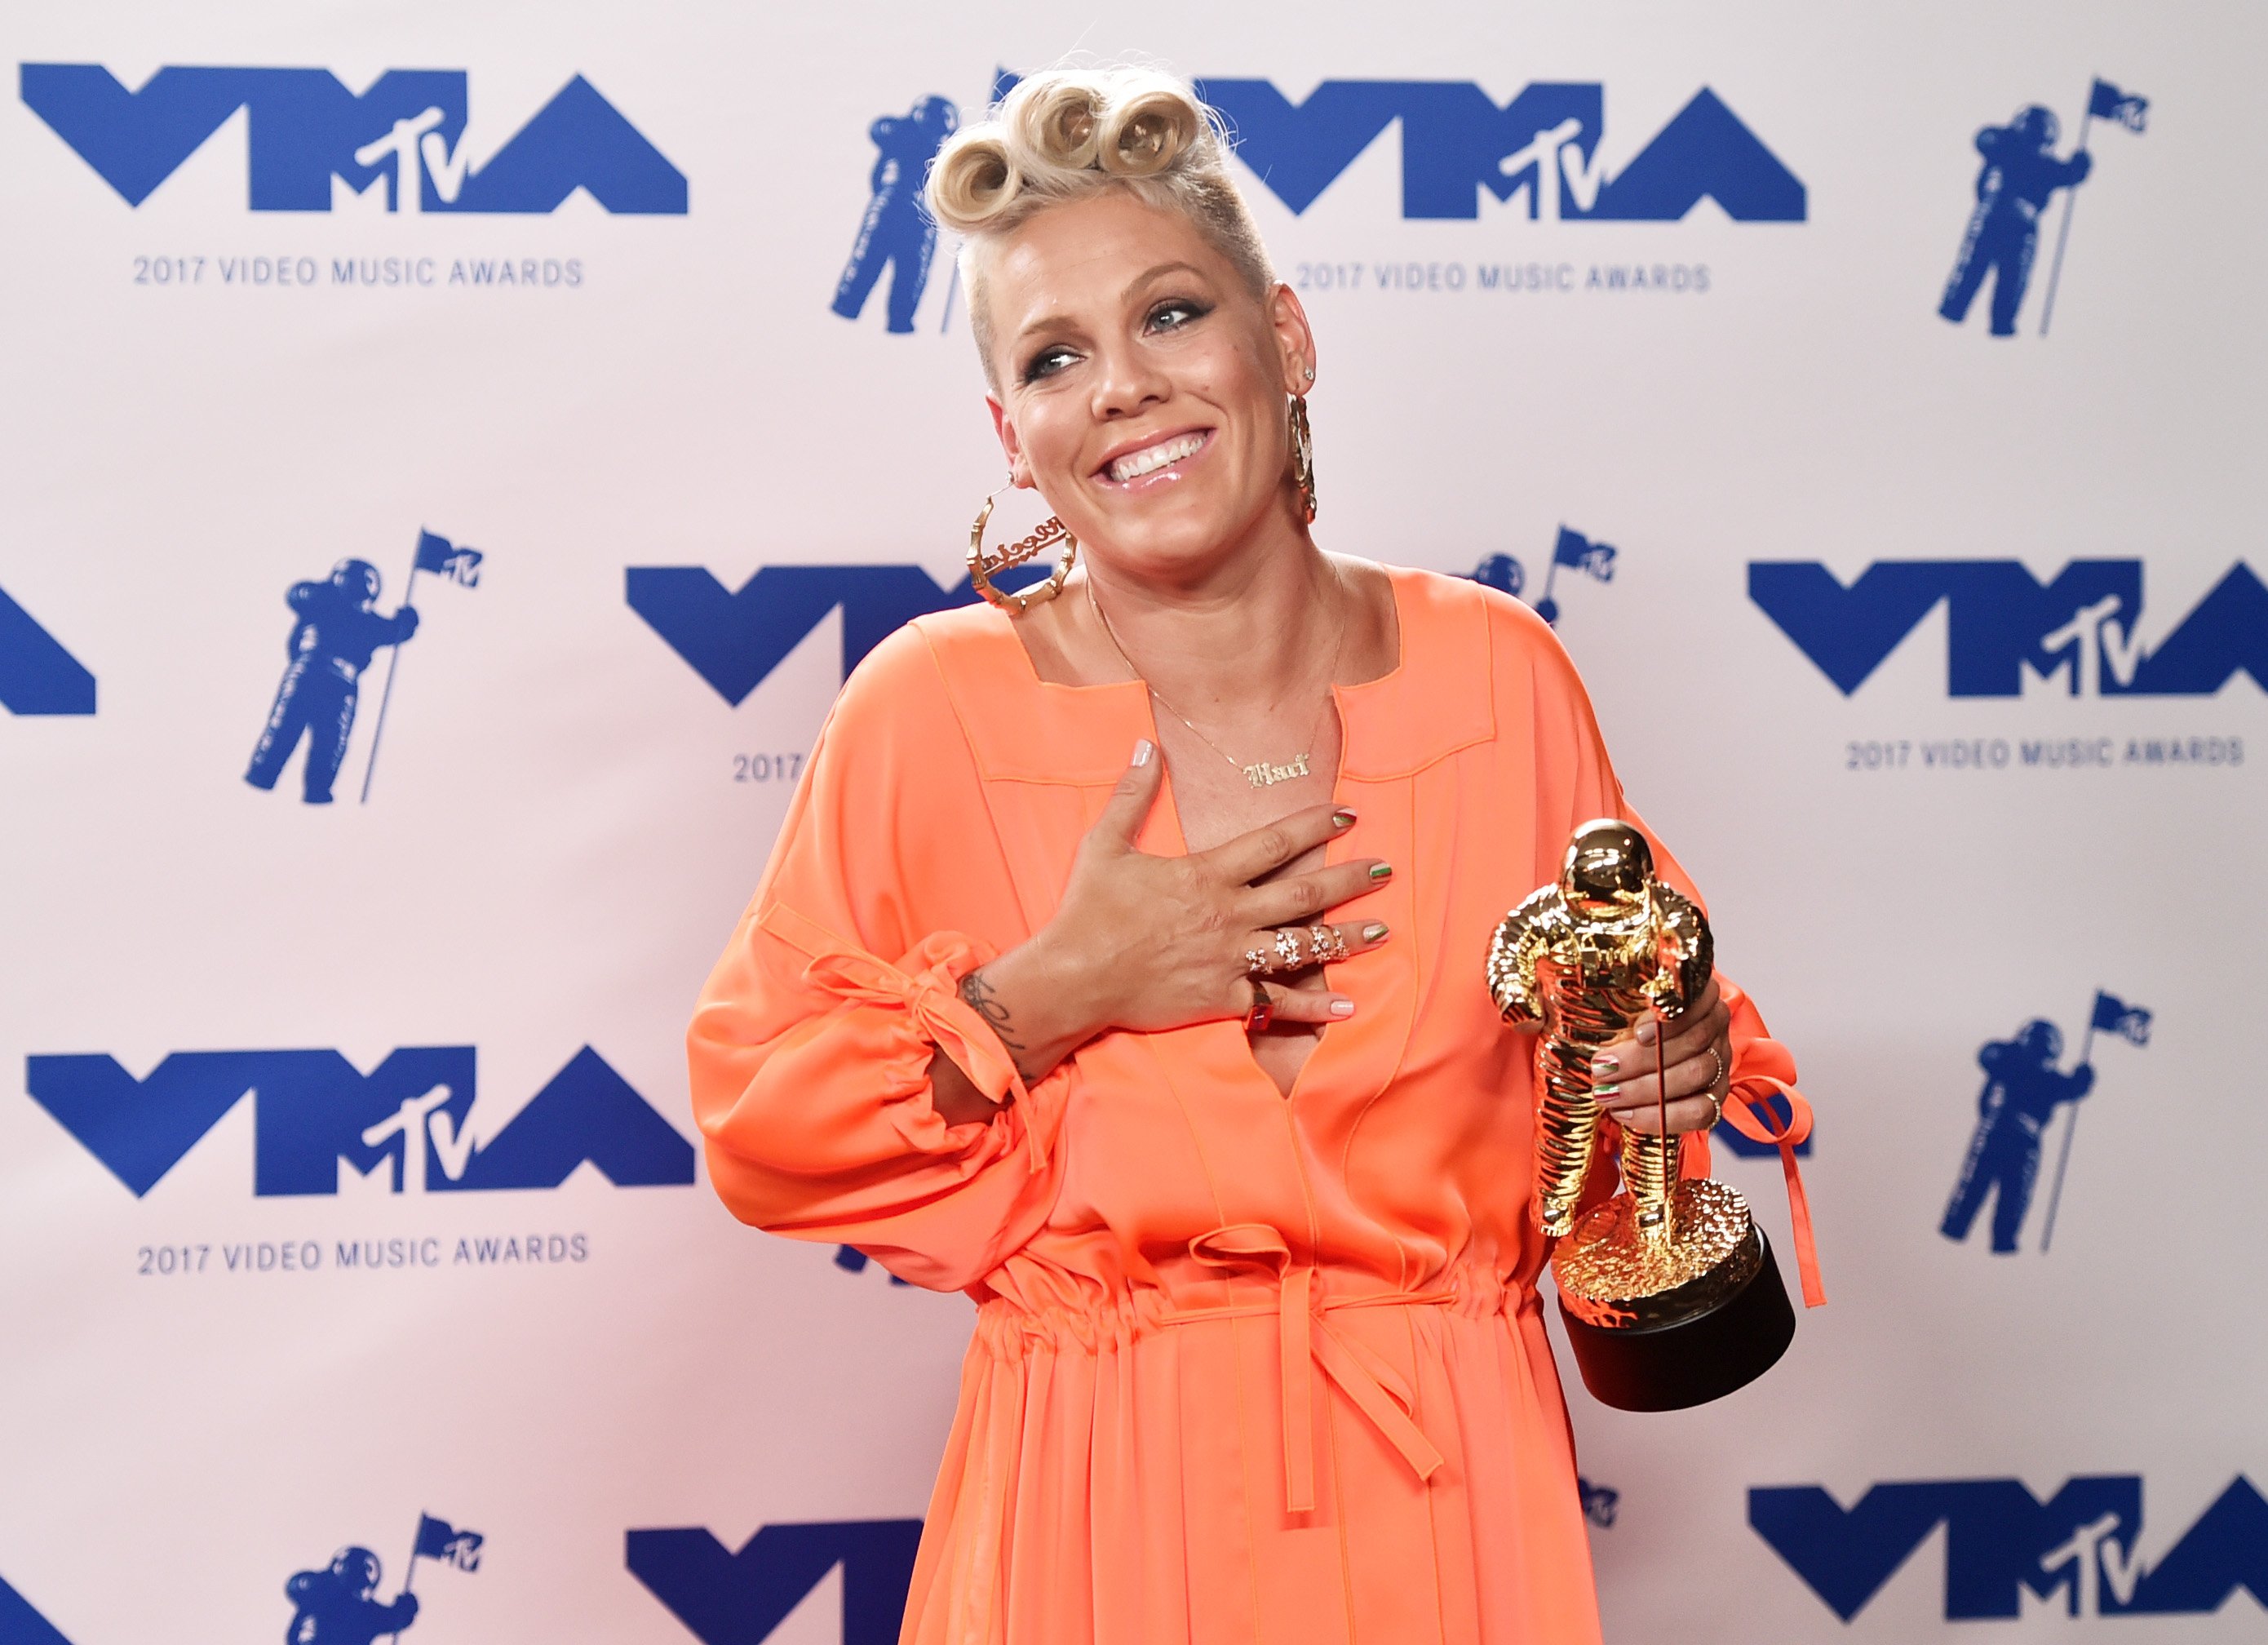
981 999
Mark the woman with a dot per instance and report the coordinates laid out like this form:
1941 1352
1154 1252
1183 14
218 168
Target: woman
1258 1353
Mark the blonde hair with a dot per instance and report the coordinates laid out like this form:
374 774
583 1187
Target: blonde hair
1069 134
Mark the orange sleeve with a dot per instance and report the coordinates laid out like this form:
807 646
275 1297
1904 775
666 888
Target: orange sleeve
1577 781
810 1047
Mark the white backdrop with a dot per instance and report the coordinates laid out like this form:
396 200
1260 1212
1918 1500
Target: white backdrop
573 797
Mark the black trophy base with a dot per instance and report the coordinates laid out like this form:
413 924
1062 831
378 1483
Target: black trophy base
1689 1362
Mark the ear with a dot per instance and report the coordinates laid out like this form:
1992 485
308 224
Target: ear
1011 446
1295 339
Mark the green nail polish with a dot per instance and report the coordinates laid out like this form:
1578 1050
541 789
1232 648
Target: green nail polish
1375 932
1343 817
1604 1091
1381 871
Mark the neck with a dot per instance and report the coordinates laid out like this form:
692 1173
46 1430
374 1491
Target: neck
1253 627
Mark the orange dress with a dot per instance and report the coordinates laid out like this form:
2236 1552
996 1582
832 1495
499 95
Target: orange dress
1247 1367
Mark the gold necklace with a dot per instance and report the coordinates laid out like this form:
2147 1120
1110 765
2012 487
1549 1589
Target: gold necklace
1259 773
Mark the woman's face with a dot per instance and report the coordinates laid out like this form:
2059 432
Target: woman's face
1140 384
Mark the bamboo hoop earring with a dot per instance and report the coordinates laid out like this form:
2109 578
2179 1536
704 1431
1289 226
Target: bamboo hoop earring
984 566
1303 458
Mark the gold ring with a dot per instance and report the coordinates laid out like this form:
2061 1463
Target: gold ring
1254 962
1716 1057
1287 949
1326 943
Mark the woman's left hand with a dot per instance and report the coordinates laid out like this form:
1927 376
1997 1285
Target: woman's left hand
1695 1060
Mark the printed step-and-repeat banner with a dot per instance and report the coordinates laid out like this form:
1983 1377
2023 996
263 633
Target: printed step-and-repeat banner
449 457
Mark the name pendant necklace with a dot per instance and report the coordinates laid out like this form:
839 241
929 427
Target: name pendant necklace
1259 773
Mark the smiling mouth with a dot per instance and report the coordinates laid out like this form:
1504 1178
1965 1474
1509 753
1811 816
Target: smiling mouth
1164 454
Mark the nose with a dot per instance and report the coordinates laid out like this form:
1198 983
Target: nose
1128 383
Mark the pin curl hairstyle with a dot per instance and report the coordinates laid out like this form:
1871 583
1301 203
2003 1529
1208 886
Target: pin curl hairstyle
1069 134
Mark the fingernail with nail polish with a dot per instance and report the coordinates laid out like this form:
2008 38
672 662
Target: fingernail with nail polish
1342 1007
1602 1092
1343 818
1375 932
1648 1033
1381 871
1143 749
1602 1067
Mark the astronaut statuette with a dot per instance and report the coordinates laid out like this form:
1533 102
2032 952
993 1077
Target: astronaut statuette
1668 1289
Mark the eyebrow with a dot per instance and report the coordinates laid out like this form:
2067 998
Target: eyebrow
1056 322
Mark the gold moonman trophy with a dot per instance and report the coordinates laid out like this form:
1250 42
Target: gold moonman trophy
1670 1291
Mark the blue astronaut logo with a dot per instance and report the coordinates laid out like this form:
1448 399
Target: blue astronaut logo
336 628
37 675
1573 548
339 1603
2020 174
1600 1502
725 1598
2006 1550
2004 624
305 129
2023 1087
896 234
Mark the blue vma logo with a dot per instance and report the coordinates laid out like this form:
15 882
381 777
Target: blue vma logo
314 1110
1571 549
2023 1087
728 1598
336 628
2073 1553
305 129
2001 622
37 675
1456 141
734 637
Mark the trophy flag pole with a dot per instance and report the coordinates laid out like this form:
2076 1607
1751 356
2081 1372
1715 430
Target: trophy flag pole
2070 196
2063 1159
393 661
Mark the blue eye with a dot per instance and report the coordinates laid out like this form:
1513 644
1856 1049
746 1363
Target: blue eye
1047 362
1176 311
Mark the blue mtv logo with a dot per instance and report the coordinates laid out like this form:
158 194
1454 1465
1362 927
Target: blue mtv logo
734 637
2001 621
2001 1543
37 675
1456 141
728 1598
407 1116
304 129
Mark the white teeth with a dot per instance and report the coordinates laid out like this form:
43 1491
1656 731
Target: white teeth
1151 458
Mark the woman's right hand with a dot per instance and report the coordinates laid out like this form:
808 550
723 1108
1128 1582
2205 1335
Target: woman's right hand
1147 942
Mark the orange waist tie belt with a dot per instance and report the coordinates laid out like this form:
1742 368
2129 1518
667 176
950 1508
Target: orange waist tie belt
1309 1344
